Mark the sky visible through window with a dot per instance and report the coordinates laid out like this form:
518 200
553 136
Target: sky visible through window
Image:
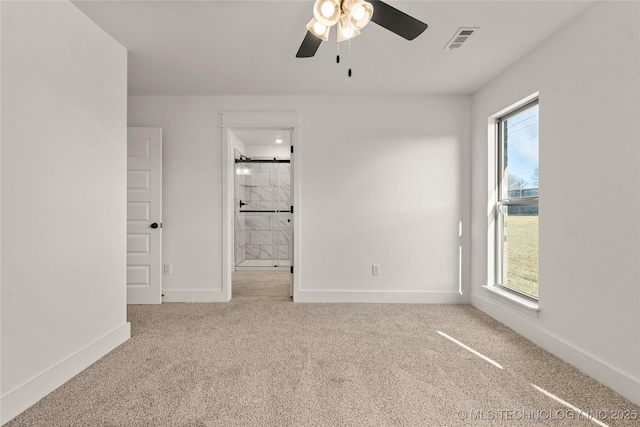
521 151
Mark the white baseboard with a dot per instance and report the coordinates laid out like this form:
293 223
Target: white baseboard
21 398
408 297
193 295
393 297
599 370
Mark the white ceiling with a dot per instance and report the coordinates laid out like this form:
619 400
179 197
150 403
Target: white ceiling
248 47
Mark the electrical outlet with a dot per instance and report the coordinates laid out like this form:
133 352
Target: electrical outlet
375 269
167 269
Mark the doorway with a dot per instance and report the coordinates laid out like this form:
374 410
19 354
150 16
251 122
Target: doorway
263 232
260 235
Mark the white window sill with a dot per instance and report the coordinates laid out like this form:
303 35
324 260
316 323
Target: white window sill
521 303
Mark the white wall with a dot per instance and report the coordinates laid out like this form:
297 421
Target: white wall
383 180
587 76
238 144
63 198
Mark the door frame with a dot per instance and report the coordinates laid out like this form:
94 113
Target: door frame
229 122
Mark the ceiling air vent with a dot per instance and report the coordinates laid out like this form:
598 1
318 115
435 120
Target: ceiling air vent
461 36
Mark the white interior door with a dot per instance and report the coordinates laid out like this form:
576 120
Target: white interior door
144 215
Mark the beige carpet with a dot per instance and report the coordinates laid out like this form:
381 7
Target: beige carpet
276 363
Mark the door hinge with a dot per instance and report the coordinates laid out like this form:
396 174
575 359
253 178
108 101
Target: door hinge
292 149
292 269
291 210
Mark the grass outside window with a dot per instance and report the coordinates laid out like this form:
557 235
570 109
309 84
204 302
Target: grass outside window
520 253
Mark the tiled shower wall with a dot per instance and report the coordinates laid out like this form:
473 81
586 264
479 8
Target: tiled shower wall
262 235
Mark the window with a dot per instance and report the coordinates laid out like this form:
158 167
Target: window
517 201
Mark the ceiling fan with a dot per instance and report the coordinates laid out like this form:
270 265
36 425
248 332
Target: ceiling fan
351 16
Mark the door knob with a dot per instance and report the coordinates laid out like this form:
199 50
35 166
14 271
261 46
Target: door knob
154 225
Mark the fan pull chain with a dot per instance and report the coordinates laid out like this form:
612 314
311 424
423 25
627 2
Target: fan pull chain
337 52
349 73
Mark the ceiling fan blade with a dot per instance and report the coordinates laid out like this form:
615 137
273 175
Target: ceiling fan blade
309 46
396 21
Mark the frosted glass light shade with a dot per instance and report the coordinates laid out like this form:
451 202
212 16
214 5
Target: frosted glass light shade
345 30
327 12
358 13
318 29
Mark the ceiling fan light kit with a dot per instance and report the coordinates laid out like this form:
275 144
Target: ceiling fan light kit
346 31
327 12
357 12
351 16
318 29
